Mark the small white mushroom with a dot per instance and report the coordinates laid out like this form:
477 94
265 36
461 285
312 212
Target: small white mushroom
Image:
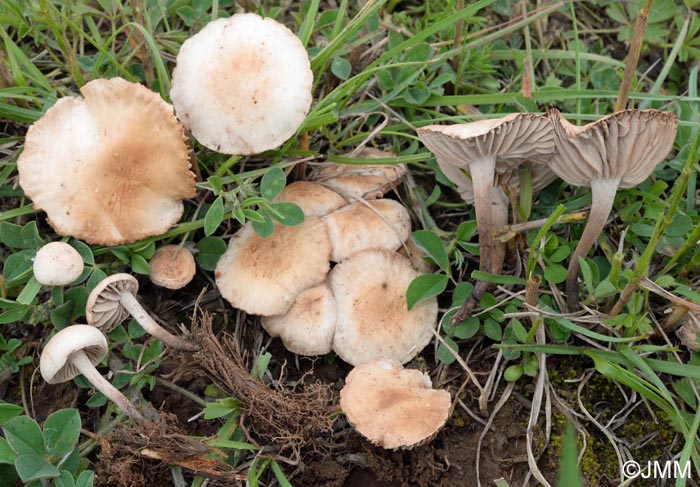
114 299
57 264
77 350
172 267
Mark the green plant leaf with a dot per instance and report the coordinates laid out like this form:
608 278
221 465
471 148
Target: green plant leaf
264 228
24 436
272 183
210 249
513 373
503 280
214 216
85 479
434 247
61 432
568 463
65 480
493 330
140 265
9 411
341 68
444 354
7 454
289 214
31 466
555 273
425 286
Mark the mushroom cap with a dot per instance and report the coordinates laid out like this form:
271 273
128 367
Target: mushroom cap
361 181
172 267
313 198
391 406
55 365
308 326
242 85
264 276
376 224
373 318
626 145
110 168
57 264
511 140
103 309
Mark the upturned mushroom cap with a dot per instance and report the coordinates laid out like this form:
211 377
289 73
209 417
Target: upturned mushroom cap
308 327
242 85
373 317
55 365
512 140
172 267
103 309
313 198
264 276
626 145
361 181
376 224
57 264
391 406
110 168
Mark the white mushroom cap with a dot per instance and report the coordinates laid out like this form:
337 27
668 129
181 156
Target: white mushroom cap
376 224
264 276
172 267
242 85
110 168
57 264
55 365
313 198
308 327
373 317
391 406
361 181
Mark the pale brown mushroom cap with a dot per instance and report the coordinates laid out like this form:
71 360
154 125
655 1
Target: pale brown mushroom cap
242 85
172 267
55 364
313 198
375 224
264 276
373 317
391 406
308 327
512 140
626 145
110 168
103 309
57 264
361 181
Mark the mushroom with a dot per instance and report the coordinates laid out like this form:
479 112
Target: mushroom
482 149
393 407
110 168
373 319
314 199
242 85
57 264
114 299
618 151
361 181
308 327
375 224
172 267
77 350
264 276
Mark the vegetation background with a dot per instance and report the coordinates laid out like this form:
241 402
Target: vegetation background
382 69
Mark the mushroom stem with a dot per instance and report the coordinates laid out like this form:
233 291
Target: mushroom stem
482 172
603 195
499 217
137 312
81 362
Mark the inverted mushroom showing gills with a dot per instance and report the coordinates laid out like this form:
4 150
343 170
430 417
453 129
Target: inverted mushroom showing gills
114 299
242 85
77 350
110 168
617 151
393 407
482 149
57 264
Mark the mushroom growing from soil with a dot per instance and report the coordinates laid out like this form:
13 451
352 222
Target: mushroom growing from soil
393 407
57 264
77 350
618 151
314 199
110 168
172 267
114 299
242 84
482 149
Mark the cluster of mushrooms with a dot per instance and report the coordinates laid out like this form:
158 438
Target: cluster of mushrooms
113 167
